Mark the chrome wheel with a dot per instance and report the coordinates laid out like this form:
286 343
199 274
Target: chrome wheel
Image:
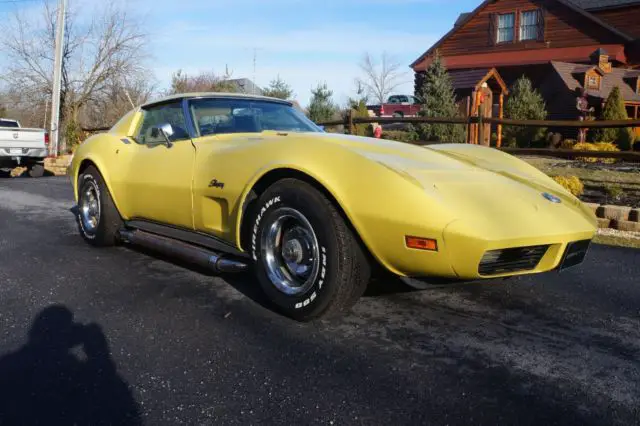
290 251
90 208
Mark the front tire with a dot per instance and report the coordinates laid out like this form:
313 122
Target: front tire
308 261
97 216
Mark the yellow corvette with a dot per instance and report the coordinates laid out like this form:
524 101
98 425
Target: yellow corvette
232 181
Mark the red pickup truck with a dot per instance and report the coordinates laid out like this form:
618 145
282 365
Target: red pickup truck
397 106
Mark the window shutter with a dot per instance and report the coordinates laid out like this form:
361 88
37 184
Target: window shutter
541 24
493 29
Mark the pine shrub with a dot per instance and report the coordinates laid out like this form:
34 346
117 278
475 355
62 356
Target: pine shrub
524 103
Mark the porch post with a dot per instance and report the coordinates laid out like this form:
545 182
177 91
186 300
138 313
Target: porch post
476 110
500 115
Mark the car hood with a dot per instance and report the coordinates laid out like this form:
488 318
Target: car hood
455 164
479 185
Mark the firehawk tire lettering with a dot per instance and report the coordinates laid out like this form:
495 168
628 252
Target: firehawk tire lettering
257 225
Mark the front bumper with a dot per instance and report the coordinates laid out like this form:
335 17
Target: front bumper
461 248
466 251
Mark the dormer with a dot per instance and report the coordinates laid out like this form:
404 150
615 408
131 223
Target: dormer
633 80
590 77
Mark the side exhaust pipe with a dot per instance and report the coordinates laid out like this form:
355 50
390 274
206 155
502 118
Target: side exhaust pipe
187 252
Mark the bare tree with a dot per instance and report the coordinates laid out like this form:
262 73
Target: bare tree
381 77
204 82
98 56
117 99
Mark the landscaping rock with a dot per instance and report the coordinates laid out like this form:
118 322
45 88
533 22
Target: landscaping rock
626 225
613 212
603 223
592 206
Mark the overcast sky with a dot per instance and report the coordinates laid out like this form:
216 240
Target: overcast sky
303 41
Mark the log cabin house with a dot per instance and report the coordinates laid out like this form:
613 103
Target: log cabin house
560 45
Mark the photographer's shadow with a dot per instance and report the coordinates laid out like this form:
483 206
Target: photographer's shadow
64 375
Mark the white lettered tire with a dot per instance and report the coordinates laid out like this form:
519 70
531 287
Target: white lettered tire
307 258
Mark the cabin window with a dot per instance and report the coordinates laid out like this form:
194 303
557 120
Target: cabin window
593 82
506 25
529 25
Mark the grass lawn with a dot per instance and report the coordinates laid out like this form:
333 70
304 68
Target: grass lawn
597 177
561 167
603 183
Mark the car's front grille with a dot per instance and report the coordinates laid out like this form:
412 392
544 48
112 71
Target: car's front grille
515 259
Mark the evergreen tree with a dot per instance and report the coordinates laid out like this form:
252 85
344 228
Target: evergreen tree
278 88
524 103
321 107
614 109
360 110
438 100
362 97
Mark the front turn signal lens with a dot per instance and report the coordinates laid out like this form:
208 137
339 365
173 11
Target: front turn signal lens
420 243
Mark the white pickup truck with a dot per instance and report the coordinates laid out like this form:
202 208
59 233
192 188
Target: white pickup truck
21 146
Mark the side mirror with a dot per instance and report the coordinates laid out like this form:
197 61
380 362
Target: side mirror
163 130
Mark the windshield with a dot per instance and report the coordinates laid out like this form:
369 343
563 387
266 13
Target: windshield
6 123
216 116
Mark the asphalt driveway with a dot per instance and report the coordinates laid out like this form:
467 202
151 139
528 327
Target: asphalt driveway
119 336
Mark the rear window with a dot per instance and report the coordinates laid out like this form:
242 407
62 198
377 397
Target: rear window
7 123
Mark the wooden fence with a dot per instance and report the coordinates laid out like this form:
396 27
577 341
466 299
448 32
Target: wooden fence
350 121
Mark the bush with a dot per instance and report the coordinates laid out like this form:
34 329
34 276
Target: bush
524 103
74 135
400 136
321 106
568 144
360 111
614 109
598 146
614 191
571 184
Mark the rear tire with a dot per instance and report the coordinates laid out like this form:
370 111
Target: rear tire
36 171
97 216
308 261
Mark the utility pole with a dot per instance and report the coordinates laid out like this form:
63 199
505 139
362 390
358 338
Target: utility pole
54 133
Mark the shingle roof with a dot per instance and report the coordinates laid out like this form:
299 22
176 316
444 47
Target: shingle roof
461 18
602 4
467 79
617 77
